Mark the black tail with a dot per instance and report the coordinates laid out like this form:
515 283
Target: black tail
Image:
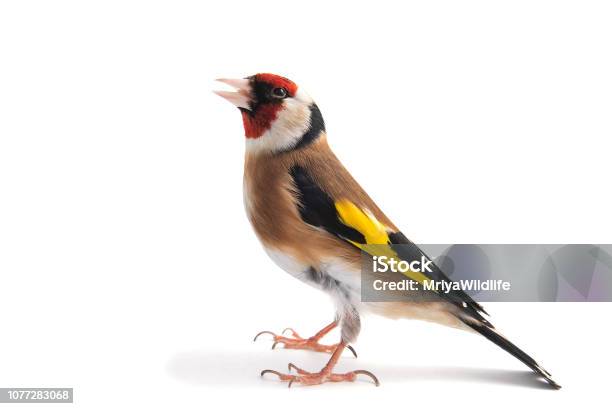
492 335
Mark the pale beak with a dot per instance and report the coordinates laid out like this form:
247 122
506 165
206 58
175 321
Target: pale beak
241 97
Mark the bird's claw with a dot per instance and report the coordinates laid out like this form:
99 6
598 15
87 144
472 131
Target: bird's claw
350 348
367 373
297 342
293 333
264 332
310 378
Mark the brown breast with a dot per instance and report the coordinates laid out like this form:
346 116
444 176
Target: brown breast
272 207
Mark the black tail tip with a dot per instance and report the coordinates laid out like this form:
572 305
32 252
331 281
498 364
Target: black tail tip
550 381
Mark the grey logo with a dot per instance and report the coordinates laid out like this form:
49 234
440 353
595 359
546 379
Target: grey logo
505 272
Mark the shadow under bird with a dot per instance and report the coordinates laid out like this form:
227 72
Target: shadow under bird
314 221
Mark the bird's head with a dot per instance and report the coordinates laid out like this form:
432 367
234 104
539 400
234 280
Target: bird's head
277 115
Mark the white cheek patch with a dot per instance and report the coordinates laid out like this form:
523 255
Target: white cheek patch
292 121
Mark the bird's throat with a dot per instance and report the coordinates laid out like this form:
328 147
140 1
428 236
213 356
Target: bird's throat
260 120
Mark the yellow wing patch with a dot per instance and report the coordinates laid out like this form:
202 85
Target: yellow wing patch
373 230
375 233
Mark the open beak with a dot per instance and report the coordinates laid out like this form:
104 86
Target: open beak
241 97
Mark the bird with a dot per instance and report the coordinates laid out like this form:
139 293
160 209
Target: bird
316 222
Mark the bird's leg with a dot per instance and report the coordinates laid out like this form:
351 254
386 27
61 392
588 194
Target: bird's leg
324 375
312 343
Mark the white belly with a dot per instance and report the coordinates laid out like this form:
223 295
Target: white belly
333 276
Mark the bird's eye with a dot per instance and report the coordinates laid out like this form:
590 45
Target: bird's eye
279 93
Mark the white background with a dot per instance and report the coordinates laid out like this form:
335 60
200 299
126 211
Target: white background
128 268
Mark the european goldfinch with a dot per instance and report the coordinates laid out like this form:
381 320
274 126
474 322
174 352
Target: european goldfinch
314 221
